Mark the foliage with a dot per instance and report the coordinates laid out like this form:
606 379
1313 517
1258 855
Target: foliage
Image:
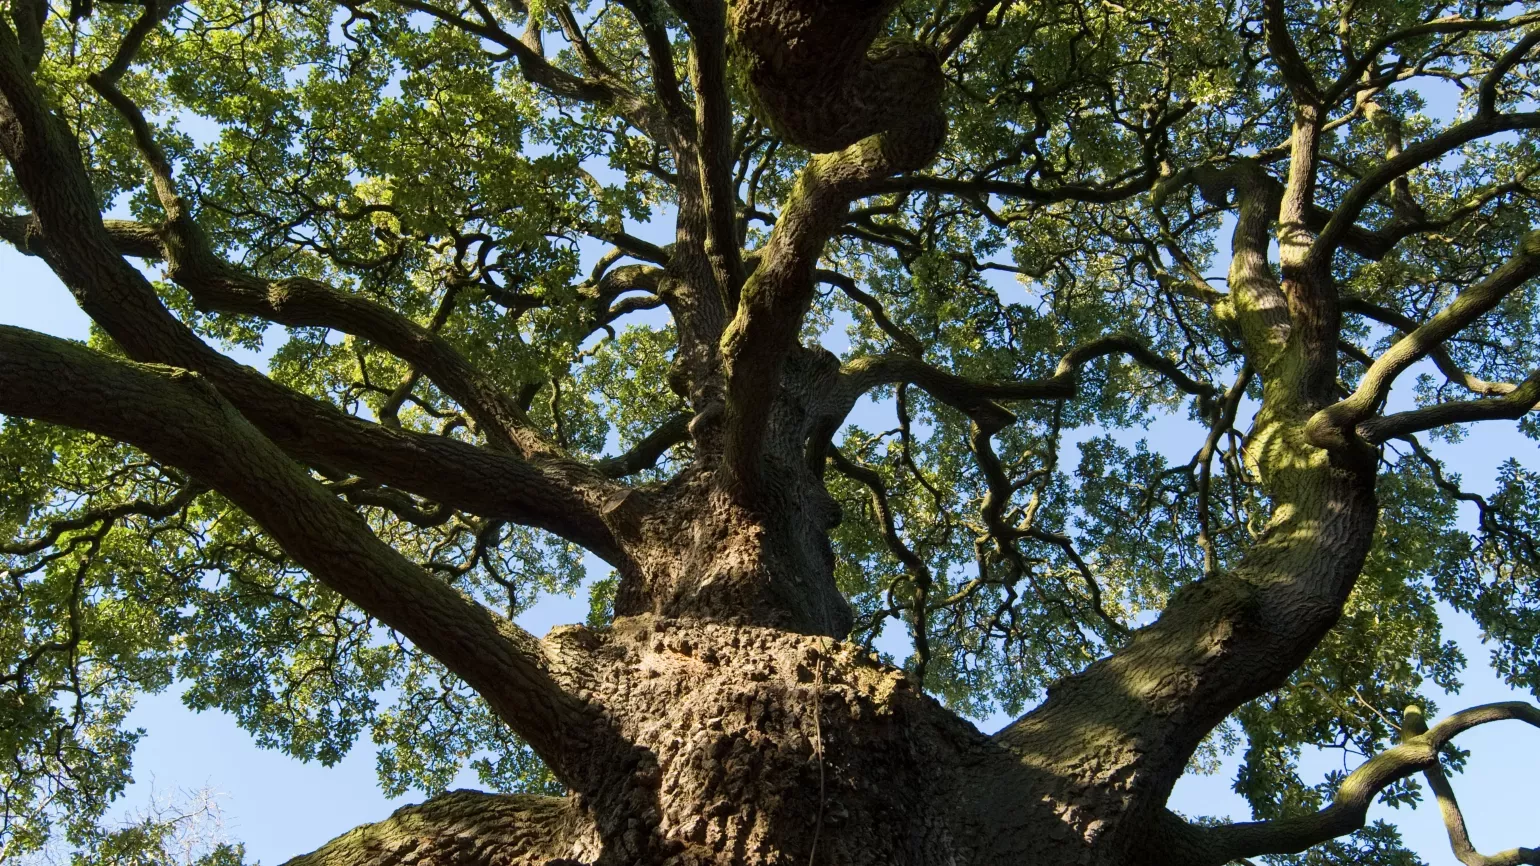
380 149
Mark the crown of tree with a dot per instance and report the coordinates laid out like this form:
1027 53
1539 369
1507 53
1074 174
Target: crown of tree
919 275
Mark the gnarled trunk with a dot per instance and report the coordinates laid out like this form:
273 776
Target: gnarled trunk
701 551
714 740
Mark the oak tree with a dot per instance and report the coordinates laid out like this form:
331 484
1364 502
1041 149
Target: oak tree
992 225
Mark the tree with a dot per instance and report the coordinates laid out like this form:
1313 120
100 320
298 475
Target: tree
406 189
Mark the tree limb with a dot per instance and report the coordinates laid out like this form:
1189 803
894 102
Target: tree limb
920 576
1517 403
906 341
865 117
53 380
46 165
555 80
215 284
1454 819
1417 751
1336 230
218 286
130 237
1372 244
975 397
646 453
1439 354
138 507
1295 72
468 828
1329 427
1354 72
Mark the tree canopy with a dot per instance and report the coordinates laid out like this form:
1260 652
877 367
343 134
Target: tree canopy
1013 233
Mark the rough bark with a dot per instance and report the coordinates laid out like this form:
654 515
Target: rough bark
466 828
749 745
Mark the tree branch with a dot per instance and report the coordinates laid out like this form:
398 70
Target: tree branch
1416 752
646 453
975 397
218 286
130 237
865 117
1486 91
60 382
506 829
964 26
138 507
1454 819
1336 230
1089 193
1354 72
1514 405
707 23
919 573
215 284
906 341
1439 354
555 495
1292 68
1256 302
1330 427
1373 244
555 80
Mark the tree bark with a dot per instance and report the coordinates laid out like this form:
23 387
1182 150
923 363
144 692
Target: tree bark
466 828
738 744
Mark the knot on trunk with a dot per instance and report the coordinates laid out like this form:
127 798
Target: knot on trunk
822 77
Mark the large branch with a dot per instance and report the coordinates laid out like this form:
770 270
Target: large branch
1292 68
1256 303
646 453
45 161
467 828
215 284
218 286
707 23
976 397
181 420
1138 715
1417 752
1331 426
131 238
1454 818
1344 218
865 116
1438 354
1512 406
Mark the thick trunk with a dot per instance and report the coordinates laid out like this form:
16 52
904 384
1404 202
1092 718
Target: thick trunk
727 744
743 744
733 730
701 552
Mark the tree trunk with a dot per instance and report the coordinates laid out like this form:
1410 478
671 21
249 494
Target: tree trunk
728 727
699 550
733 744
